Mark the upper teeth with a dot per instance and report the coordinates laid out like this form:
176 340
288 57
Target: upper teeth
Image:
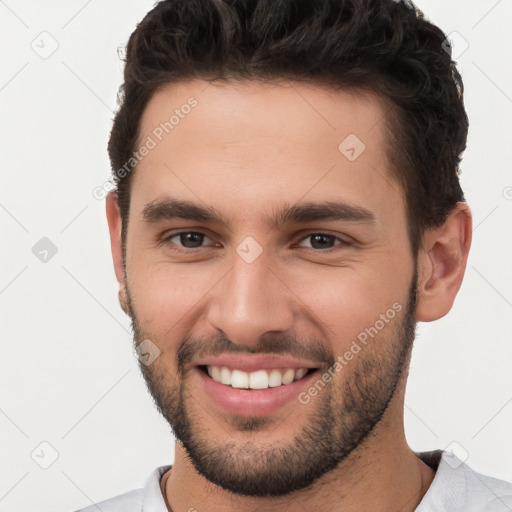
260 379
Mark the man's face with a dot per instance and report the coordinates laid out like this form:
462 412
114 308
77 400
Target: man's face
267 296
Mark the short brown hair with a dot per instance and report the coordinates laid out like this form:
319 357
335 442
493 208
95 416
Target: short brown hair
385 46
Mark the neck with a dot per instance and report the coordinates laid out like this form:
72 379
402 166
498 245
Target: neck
382 474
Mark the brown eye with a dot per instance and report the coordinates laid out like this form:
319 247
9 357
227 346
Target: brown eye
187 239
323 241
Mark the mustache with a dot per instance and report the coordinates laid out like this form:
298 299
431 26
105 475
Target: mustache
269 343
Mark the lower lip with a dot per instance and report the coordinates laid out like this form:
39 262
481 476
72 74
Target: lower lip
245 402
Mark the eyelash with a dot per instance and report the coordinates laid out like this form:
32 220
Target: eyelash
167 240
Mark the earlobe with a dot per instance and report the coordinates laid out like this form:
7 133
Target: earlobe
442 261
123 299
116 244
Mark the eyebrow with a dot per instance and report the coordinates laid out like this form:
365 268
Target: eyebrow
170 208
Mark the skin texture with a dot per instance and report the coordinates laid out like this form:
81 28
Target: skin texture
247 150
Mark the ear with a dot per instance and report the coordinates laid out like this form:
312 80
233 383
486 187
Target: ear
442 263
116 245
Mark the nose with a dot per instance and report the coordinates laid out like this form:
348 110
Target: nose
251 301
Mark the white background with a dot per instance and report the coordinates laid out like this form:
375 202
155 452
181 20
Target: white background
68 374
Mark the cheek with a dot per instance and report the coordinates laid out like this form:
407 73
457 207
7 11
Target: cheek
345 301
164 294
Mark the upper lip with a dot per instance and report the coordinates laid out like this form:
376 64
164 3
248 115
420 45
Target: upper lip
248 363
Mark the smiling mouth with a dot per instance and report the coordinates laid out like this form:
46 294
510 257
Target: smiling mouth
259 379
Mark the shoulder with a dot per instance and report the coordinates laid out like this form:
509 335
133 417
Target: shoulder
146 498
458 487
492 494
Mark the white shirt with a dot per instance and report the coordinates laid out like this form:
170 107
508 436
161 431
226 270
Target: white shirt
455 488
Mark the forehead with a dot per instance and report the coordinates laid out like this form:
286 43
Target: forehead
261 144
307 112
